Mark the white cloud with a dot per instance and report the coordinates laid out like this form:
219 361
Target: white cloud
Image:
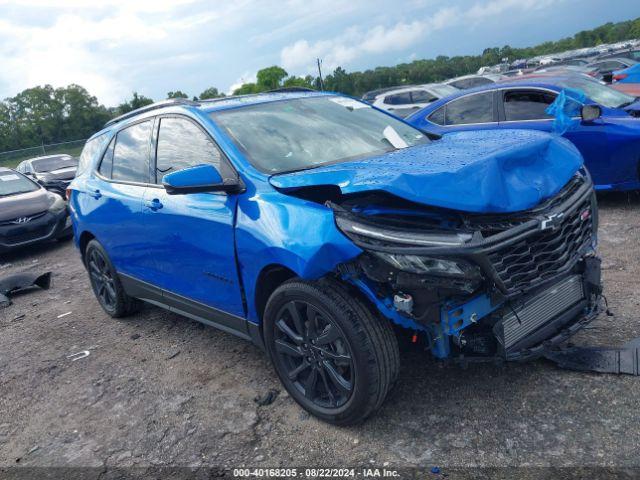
354 43
246 77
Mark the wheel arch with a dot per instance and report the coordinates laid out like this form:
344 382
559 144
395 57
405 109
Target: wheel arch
83 241
269 278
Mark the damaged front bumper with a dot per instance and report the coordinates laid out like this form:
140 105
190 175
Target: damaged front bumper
515 285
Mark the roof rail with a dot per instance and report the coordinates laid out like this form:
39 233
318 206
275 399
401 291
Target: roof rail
148 108
291 89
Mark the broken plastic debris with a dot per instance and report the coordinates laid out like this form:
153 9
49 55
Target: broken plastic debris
78 355
21 281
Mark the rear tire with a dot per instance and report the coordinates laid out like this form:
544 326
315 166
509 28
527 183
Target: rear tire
334 355
106 284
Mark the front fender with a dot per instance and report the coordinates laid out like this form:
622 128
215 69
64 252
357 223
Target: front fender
273 228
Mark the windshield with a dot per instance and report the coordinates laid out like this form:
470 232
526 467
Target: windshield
601 94
304 133
54 163
13 183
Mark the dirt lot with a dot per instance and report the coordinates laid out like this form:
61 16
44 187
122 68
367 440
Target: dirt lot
161 390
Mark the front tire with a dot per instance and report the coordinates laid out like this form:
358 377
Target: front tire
334 356
105 283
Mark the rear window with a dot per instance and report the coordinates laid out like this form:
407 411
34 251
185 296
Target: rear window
131 154
14 183
54 163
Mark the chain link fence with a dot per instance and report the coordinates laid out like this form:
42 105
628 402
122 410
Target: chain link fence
13 157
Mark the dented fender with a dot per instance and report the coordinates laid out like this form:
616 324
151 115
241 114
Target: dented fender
297 234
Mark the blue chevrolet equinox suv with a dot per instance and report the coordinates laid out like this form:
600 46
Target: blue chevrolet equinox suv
322 229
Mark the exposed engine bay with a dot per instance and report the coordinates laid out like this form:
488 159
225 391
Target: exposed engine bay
478 285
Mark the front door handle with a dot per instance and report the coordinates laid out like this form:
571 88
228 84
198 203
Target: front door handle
96 194
154 204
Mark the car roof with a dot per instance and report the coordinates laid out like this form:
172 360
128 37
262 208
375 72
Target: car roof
210 105
44 157
533 81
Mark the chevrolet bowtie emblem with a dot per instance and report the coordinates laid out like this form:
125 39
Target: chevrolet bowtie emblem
551 222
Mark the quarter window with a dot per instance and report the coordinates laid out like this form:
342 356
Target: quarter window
107 160
527 105
476 108
182 144
131 154
437 117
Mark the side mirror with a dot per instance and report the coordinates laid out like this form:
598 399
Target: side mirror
590 113
201 178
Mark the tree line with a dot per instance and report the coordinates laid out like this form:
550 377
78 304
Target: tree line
45 115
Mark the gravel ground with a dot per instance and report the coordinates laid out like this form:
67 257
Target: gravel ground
160 390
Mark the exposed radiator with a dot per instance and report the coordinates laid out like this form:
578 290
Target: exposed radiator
540 309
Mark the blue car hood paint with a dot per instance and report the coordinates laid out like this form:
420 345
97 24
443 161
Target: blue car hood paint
474 171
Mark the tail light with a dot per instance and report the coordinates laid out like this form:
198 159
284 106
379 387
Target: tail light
620 76
68 194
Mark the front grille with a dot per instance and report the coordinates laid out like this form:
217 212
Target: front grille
547 252
536 312
36 233
16 221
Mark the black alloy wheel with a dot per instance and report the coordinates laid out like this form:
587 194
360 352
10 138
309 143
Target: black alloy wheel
105 282
335 355
315 354
102 279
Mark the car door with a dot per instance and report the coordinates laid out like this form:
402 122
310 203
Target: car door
476 111
111 201
470 112
191 236
525 108
400 104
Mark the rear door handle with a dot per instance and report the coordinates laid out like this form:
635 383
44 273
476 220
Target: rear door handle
154 204
96 194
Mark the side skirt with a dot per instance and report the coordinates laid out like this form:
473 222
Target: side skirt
186 307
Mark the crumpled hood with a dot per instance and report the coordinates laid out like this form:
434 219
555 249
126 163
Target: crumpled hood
488 171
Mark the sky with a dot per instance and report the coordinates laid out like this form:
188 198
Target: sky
116 47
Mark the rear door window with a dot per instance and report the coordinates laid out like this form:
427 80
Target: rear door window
131 153
477 108
527 104
398 99
422 96
182 144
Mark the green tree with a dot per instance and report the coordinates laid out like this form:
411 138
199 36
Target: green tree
177 94
137 101
270 78
211 92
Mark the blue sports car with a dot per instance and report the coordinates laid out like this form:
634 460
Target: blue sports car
609 139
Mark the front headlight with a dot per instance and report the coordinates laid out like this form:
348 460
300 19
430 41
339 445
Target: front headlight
57 205
424 239
428 265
